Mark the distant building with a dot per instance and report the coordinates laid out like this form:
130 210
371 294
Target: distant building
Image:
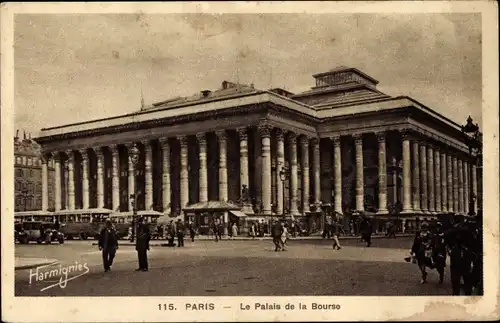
28 175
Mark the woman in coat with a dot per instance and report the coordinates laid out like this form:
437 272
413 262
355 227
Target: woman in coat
284 237
234 229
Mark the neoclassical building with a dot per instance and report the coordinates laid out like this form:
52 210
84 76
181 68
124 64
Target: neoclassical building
342 143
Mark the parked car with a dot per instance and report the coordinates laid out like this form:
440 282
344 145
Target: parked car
37 231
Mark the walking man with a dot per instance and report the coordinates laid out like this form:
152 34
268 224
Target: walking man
335 231
192 230
142 244
366 229
277 231
108 243
180 233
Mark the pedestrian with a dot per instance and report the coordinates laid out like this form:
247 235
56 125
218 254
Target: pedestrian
252 230
108 244
366 229
335 232
171 233
192 230
284 236
234 230
276 232
180 233
293 228
142 244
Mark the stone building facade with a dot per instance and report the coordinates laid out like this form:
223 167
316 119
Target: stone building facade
28 176
342 143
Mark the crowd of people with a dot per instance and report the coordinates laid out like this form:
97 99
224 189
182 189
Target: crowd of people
458 238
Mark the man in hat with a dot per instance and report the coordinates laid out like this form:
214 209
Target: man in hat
142 244
180 233
276 232
108 243
366 229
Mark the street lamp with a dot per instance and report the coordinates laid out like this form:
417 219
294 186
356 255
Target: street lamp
283 176
471 132
134 158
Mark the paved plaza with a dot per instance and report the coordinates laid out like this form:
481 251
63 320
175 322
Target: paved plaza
237 268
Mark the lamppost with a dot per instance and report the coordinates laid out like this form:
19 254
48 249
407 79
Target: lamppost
471 132
283 177
134 158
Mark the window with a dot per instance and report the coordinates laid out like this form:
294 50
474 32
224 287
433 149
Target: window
24 160
18 160
31 173
30 162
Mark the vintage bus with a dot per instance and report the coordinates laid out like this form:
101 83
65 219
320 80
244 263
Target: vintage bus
81 224
150 217
42 216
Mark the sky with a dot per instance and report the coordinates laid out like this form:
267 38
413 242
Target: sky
73 68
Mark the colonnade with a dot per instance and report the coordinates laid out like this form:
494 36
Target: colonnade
435 178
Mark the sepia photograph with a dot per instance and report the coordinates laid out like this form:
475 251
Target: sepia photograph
290 158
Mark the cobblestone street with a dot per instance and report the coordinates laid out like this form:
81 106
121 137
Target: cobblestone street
239 268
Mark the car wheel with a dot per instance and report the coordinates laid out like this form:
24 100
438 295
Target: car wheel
83 236
39 241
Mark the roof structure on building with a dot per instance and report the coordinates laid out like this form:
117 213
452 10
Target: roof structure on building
227 90
212 205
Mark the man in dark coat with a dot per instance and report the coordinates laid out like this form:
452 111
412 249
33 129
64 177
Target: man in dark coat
180 233
142 244
108 243
366 229
276 232
192 230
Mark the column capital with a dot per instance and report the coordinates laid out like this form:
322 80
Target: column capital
358 138
381 136
98 151
84 153
242 133
70 154
315 142
304 141
114 149
202 138
56 155
292 137
265 130
183 140
163 141
280 134
336 140
407 134
45 157
221 134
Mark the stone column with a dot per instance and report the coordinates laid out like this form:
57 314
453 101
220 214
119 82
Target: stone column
243 136
466 187
85 179
450 183
100 177
115 184
131 178
304 145
165 185
45 183
280 152
430 179
424 202
382 174
455 185
416 177
294 210
184 186
437 178
66 178
222 136
444 187
148 175
337 165
57 175
474 187
317 172
202 142
360 191
71 180
460 186
406 174
265 133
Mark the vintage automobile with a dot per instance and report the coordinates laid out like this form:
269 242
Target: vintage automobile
37 231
